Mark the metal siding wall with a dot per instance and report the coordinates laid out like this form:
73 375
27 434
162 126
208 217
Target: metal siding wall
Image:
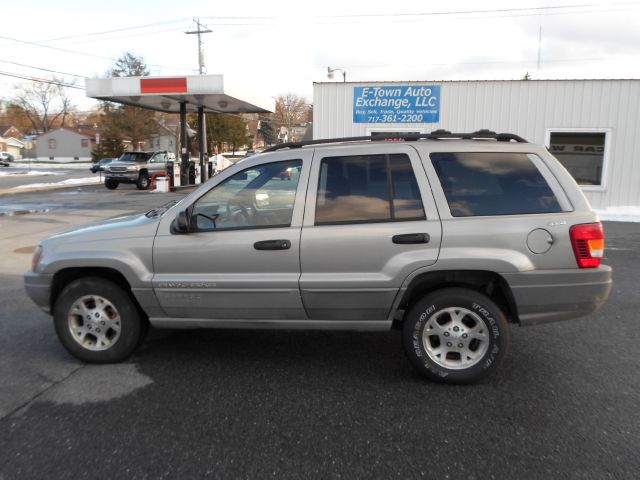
526 108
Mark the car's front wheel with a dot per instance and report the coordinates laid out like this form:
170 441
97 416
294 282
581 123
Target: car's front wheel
111 184
143 181
97 321
455 335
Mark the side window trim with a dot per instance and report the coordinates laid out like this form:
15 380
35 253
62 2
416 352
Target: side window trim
552 181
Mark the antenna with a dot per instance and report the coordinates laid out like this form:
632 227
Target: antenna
539 46
200 52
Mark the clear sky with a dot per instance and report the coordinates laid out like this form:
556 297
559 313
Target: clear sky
285 46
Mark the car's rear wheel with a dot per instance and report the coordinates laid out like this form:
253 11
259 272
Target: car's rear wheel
455 335
97 321
143 181
111 184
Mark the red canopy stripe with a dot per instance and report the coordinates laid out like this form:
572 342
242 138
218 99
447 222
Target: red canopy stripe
163 85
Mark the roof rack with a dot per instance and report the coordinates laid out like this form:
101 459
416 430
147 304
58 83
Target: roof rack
408 137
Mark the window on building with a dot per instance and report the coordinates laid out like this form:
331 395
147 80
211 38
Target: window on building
52 144
84 143
367 188
479 184
581 153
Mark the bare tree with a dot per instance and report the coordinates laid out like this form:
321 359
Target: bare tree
290 110
45 104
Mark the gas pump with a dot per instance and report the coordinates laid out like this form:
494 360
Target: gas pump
173 170
197 180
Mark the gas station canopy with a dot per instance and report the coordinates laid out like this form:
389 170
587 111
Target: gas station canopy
165 94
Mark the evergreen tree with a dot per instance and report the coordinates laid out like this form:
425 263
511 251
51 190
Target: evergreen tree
267 132
124 121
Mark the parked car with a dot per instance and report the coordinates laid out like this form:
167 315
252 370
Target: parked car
136 167
451 238
5 158
286 174
100 165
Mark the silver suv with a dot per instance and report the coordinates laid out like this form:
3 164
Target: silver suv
136 167
449 237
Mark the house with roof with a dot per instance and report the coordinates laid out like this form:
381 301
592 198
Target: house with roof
166 138
9 131
11 141
13 146
66 144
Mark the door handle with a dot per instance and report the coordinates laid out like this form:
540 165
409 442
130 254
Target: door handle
408 238
272 245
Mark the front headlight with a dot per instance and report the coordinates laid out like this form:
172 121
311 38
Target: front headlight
132 169
35 260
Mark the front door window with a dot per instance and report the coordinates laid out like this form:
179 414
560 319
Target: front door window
257 197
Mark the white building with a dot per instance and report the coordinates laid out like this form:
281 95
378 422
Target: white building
592 126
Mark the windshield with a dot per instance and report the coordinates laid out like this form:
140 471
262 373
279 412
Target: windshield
134 157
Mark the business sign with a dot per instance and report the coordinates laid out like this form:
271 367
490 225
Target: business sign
396 104
163 85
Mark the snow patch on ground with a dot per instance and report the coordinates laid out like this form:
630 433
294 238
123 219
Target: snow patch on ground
71 181
5 173
51 165
620 214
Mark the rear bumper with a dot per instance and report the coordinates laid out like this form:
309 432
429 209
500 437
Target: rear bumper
38 287
553 295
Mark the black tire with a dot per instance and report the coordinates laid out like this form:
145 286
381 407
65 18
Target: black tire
111 184
107 307
143 181
467 328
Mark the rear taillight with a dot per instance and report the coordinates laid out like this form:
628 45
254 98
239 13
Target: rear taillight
587 240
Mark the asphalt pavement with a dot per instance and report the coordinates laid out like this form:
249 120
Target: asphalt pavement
273 404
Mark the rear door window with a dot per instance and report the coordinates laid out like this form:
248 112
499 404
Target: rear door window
501 183
367 188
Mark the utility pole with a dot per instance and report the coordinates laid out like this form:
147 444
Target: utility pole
199 32
202 120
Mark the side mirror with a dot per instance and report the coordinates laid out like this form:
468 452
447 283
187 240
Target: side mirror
181 223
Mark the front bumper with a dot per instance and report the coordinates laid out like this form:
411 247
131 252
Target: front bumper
551 295
122 176
38 287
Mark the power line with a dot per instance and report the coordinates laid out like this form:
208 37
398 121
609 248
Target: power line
484 62
43 69
474 12
80 53
142 34
41 80
116 30
57 48
534 11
